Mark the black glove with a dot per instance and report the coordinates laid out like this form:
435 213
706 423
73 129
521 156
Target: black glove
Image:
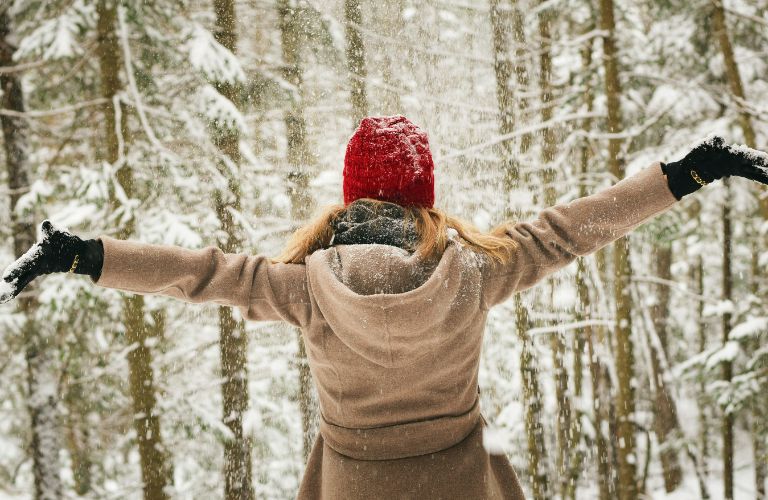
711 160
58 252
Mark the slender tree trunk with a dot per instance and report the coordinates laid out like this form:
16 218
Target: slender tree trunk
156 470
42 383
727 367
299 161
537 469
585 303
500 14
625 360
563 424
759 412
388 18
720 31
702 345
233 343
534 430
353 17
665 425
77 428
521 70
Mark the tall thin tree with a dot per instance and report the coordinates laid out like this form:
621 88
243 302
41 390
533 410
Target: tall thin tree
500 14
233 342
156 469
563 422
42 393
299 164
720 31
353 18
625 358
665 422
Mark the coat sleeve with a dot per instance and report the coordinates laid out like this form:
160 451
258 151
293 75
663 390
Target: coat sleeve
261 289
565 231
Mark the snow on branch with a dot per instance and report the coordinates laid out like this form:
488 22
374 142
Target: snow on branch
752 327
219 110
520 132
53 112
212 59
56 38
571 326
132 83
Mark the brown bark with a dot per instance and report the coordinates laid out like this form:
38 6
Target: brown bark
353 18
622 272
727 367
759 412
42 390
601 443
155 464
500 15
563 423
299 163
521 70
78 432
233 342
665 425
720 31
702 337
537 468
585 313
534 431
389 21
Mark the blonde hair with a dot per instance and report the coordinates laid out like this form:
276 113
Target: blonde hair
432 225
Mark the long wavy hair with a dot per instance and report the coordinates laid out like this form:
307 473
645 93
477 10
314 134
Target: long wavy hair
432 225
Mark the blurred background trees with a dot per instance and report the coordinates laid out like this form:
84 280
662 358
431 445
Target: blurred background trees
641 369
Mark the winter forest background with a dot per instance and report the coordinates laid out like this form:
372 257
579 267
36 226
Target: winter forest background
639 370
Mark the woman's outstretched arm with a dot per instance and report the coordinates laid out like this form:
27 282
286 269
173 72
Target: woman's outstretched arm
563 232
261 289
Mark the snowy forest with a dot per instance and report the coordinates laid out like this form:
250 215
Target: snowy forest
640 371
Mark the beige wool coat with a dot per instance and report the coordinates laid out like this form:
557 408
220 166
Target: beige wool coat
394 342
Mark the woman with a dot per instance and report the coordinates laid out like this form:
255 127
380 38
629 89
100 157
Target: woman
391 296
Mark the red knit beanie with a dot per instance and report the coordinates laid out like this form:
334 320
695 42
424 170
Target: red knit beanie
388 159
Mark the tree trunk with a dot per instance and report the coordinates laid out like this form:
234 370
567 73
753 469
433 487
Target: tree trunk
502 66
534 430
622 272
233 342
156 470
563 424
585 313
720 31
521 70
391 102
727 368
759 412
299 161
665 424
42 376
537 469
353 18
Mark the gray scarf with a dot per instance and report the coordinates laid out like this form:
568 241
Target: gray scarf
364 223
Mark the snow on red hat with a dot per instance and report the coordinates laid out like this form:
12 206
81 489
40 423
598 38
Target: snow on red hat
388 159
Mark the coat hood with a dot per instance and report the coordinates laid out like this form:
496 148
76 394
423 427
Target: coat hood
386 304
